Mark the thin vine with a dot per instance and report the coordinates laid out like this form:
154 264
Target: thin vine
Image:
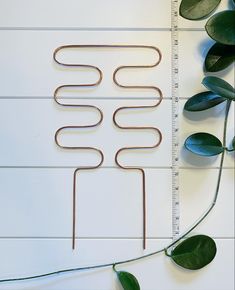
197 251
165 250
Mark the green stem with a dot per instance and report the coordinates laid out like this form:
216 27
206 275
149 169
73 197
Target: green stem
114 269
156 252
229 150
218 181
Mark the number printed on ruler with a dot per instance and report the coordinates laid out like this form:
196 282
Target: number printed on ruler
175 120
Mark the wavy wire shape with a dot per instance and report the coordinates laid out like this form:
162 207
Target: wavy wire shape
92 125
156 130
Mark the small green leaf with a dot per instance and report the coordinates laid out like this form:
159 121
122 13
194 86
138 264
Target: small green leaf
232 145
219 57
197 9
195 252
221 27
204 144
203 101
219 87
128 280
233 141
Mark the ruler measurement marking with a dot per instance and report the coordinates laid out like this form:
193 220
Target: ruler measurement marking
175 120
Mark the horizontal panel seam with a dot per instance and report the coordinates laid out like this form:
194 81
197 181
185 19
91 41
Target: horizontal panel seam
82 98
110 167
96 29
85 99
101 238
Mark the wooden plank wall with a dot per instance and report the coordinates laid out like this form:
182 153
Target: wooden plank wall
36 176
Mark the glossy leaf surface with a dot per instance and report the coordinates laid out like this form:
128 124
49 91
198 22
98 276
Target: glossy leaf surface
221 27
204 144
195 252
219 87
219 57
203 101
128 280
197 9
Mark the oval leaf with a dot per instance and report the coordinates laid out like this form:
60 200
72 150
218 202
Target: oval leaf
128 280
221 27
233 143
219 87
197 9
219 57
195 252
204 144
203 101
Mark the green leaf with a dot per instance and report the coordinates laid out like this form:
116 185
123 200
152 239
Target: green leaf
128 280
233 141
197 9
232 146
219 87
195 252
219 57
203 101
221 27
204 144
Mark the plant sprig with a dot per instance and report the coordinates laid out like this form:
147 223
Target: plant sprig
220 27
197 251
192 253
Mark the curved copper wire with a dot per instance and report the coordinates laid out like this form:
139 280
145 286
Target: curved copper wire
156 130
61 129
114 118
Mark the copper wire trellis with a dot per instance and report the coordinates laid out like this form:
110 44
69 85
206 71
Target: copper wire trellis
156 130
78 127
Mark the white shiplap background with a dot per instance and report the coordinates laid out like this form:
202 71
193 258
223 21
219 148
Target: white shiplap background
36 177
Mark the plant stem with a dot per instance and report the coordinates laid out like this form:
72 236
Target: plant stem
156 252
218 181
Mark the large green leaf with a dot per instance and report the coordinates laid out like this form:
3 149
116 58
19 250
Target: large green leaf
197 9
204 144
219 87
219 57
128 280
195 252
221 27
203 101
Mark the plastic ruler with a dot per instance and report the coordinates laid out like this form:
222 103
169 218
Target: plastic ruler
175 120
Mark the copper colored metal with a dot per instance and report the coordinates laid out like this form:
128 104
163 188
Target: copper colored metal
57 133
156 130
92 125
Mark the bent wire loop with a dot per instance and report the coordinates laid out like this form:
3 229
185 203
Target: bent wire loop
92 125
156 130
